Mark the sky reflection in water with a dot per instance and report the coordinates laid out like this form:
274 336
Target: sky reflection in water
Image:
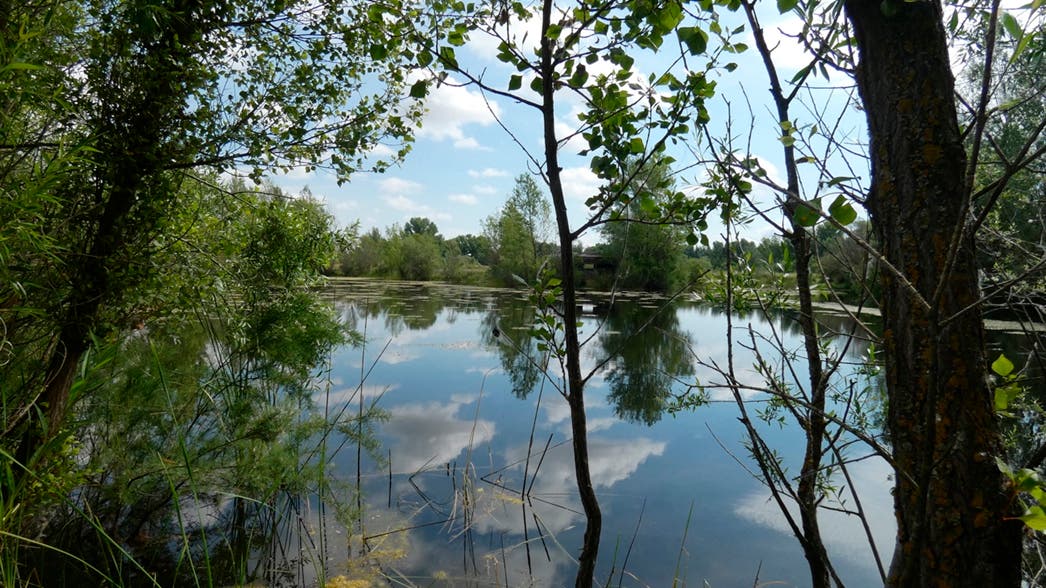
449 385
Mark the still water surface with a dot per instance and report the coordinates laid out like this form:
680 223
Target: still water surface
465 506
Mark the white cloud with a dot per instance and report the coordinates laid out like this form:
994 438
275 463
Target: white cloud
451 108
467 199
579 183
394 195
469 143
488 172
411 208
570 140
402 203
555 489
348 395
782 38
381 151
393 185
344 205
525 34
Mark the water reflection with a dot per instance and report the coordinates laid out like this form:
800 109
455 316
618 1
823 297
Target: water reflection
842 529
468 404
648 354
434 433
506 327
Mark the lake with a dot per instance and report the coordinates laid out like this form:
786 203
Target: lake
475 485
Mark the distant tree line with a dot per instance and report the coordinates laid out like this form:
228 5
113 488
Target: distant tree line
636 253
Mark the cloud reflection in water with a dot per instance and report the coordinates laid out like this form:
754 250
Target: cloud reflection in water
843 534
432 434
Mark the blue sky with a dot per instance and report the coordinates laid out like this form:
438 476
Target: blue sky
463 163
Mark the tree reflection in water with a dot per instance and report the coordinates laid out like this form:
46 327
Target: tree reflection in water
647 355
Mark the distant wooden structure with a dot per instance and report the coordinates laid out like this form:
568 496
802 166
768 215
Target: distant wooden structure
591 262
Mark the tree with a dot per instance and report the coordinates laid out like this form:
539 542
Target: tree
212 391
517 233
411 256
362 257
477 247
650 253
421 226
144 95
941 424
619 124
647 353
952 501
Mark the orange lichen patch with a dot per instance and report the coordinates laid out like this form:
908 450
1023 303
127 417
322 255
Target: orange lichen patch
982 520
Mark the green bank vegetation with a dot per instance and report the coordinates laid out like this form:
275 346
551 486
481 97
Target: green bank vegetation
639 256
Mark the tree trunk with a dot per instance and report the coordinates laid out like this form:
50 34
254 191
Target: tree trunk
126 196
813 419
575 391
951 501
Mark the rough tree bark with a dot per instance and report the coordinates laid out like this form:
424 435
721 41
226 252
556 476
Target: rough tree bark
951 501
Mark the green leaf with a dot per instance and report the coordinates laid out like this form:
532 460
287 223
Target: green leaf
1004 467
801 73
515 82
842 211
1035 518
1027 480
446 54
21 66
537 85
1012 27
784 6
1004 396
635 146
1037 493
807 215
622 59
419 89
695 39
1021 47
580 76
378 52
669 17
1002 366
